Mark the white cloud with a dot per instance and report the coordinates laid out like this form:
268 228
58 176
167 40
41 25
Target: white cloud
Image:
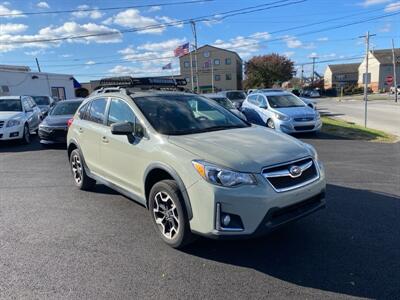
132 18
386 28
216 19
313 54
244 46
90 62
66 55
85 13
323 39
12 28
173 22
392 7
65 30
292 42
34 52
367 3
43 4
141 70
169 45
9 13
289 54
154 8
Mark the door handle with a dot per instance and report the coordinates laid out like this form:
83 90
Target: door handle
104 140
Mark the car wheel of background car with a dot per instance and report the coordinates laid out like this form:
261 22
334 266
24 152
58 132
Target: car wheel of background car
26 138
81 179
168 214
270 124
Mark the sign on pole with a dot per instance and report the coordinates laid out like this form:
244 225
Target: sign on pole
389 80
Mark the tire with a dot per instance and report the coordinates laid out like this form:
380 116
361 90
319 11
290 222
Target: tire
81 180
26 135
170 219
270 124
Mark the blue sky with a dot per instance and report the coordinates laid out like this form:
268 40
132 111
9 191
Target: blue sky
143 53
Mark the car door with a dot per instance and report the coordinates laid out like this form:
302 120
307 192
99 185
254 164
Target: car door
37 113
123 161
262 108
29 113
90 128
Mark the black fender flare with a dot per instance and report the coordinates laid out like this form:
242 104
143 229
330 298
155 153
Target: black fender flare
176 177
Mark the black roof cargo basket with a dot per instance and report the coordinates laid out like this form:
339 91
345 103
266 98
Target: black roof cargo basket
143 82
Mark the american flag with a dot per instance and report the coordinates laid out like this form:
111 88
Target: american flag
181 50
167 67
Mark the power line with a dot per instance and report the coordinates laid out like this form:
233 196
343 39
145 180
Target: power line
212 17
101 9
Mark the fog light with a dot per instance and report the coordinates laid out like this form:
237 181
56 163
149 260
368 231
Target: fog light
14 134
226 219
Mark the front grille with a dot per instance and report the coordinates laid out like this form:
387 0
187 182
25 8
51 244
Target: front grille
300 128
283 180
1 124
304 119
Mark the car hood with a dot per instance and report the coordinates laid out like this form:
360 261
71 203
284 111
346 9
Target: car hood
5 115
245 149
57 120
296 111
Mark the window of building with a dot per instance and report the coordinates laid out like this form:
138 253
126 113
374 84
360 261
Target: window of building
217 61
217 77
228 61
228 76
206 54
186 64
194 79
187 79
97 110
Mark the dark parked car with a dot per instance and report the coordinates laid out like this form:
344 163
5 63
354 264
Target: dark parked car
54 127
237 97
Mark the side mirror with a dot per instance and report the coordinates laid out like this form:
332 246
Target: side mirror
263 106
122 128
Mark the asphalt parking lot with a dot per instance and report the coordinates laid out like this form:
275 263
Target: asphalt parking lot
57 242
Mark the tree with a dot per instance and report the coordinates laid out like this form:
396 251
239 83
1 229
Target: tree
265 70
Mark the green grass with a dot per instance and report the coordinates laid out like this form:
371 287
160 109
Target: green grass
347 130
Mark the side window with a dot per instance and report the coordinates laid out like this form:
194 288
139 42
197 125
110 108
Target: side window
26 105
31 102
253 99
261 101
83 112
97 110
120 112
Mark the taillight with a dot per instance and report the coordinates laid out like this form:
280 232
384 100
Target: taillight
69 122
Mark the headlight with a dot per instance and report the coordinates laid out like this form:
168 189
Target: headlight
13 122
223 177
282 117
318 116
312 151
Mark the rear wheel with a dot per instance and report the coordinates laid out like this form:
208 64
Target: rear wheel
81 179
270 124
169 215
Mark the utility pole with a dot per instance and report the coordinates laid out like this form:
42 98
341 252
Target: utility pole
37 64
313 71
193 24
394 73
367 37
302 76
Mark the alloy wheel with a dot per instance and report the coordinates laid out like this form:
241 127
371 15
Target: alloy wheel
166 215
27 135
271 124
76 166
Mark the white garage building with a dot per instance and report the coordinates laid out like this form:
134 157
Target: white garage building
20 80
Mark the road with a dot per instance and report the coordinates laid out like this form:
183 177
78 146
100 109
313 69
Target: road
60 243
383 115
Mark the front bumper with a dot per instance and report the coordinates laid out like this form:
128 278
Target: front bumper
260 208
51 135
297 127
11 133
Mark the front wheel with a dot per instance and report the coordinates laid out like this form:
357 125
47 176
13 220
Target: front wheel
270 124
26 137
168 214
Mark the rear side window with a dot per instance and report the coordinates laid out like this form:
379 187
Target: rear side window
83 112
97 111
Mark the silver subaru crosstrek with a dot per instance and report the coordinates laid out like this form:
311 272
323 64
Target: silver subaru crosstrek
282 111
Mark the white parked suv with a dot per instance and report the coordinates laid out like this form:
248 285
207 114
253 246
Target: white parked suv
282 111
19 117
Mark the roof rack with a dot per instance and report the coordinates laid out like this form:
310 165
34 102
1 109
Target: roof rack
143 82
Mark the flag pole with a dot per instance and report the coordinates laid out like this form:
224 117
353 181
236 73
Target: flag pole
212 76
191 68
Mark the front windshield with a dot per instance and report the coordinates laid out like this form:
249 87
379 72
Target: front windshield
236 95
282 101
65 108
41 100
186 114
10 105
225 102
